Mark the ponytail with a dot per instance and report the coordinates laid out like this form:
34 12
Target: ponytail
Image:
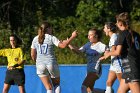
41 36
42 31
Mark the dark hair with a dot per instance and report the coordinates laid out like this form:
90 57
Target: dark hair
111 26
97 32
18 40
42 31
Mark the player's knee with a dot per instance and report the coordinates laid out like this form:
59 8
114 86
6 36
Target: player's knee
55 82
121 91
109 83
5 91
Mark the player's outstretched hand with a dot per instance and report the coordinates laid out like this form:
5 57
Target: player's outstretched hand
74 33
101 58
105 56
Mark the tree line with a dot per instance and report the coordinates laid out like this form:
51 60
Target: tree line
24 16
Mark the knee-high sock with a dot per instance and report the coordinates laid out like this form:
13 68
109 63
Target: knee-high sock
108 89
49 91
57 89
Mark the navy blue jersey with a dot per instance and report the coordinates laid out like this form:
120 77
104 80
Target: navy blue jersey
130 42
130 55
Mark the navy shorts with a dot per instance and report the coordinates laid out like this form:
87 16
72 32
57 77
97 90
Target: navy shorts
15 77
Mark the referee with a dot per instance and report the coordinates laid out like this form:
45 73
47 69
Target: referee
15 73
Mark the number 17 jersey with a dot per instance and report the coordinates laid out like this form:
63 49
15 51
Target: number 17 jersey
45 52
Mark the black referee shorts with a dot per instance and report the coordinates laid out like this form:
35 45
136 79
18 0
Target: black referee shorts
15 77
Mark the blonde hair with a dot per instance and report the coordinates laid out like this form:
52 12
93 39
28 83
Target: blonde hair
124 18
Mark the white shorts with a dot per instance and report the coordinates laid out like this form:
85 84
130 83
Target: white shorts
49 69
116 66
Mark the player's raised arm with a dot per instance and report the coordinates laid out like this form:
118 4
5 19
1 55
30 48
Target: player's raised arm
64 43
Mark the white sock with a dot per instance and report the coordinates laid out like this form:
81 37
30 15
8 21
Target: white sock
57 89
49 91
108 89
129 91
84 89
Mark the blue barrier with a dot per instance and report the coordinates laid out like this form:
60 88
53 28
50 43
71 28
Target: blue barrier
72 77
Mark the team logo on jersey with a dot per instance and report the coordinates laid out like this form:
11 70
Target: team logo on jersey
16 59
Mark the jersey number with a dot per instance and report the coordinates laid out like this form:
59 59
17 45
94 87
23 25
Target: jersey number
137 43
43 48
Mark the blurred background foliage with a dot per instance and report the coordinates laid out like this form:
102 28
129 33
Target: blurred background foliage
24 16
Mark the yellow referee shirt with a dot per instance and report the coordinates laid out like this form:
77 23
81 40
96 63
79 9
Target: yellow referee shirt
14 55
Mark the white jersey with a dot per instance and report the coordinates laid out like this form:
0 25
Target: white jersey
115 60
45 52
113 42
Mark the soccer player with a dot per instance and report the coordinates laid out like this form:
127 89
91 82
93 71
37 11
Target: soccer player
42 53
116 65
15 69
93 50
128 47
